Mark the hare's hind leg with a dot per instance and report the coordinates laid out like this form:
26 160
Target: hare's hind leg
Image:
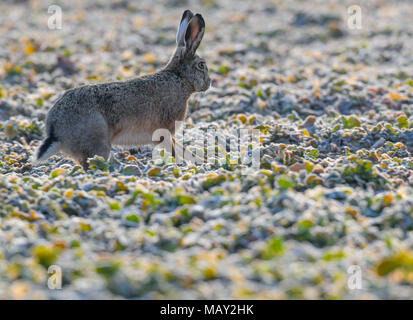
96 144
102 149
89 138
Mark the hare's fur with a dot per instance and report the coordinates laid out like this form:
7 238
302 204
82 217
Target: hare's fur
86 121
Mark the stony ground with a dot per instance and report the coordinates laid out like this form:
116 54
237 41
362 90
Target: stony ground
335 184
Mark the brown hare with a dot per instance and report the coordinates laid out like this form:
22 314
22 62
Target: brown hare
87 120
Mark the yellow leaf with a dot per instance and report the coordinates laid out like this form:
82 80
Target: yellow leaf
154 171
45 94
351 80
310 178
277 168
92 77
387 199
317 93
127 54
395 96
399 145
127 71
240 17
318 169
351 211
261 103
28 48
149 58
101 193
19 290
137 22
305 132
68 193
242 118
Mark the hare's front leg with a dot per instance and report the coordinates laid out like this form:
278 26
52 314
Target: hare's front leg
184 153
173 147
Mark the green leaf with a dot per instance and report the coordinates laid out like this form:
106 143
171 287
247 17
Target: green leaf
409 82
132 218
350 122
223 70
154 172
313 153
98 163
114 205
45 255
401 260
329 256
132 199
107 269
284 182
185 199
39 102
273 248
402 122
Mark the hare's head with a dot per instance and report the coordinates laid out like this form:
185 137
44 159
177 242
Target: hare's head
184 61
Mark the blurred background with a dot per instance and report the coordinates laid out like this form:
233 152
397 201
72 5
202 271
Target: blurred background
107 39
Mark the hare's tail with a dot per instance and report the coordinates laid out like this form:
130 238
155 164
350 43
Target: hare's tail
49 147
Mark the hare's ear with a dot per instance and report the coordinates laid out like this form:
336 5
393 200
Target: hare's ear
180 36
194 33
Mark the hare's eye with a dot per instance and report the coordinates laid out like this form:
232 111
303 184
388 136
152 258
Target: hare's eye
201 65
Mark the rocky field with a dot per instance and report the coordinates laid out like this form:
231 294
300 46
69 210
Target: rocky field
331 202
